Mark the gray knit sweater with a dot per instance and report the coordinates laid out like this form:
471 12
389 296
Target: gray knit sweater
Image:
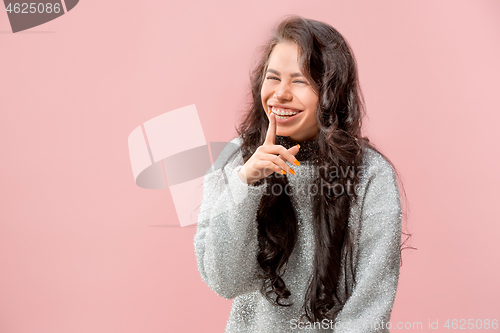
226 248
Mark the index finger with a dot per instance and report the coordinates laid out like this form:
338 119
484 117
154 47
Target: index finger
271 131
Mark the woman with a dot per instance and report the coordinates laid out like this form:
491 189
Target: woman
300 221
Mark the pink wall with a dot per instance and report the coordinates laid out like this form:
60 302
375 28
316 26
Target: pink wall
84 249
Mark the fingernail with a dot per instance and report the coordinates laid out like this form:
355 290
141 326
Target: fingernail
283 172
292 172
298 145
269 114
296 162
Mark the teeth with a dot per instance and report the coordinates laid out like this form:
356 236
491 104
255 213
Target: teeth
283 112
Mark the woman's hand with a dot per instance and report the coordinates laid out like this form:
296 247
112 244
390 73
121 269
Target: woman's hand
268 158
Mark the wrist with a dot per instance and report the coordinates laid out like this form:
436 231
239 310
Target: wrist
242 175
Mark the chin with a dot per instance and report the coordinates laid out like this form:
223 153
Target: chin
283 133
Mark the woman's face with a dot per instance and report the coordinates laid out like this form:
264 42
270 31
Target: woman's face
289 95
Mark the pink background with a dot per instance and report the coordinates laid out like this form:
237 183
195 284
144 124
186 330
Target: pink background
84 249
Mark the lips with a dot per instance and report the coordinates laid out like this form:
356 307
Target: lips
284 111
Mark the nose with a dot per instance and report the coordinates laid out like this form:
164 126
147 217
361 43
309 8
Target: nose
282 91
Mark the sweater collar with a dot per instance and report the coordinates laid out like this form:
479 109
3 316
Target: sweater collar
309 150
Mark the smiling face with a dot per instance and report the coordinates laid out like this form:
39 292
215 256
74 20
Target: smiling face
289 94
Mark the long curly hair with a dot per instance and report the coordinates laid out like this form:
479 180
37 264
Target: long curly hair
327 61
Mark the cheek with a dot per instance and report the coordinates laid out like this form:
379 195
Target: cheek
264 91
311 117
313 102
309 99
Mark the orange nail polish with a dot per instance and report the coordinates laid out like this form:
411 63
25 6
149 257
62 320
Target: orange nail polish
269 114
298 145
283 172
292 172
296 162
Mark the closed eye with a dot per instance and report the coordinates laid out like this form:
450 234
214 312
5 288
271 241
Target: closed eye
275 78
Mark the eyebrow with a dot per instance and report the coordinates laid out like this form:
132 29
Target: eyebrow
278 73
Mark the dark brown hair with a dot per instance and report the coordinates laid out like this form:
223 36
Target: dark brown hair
327 61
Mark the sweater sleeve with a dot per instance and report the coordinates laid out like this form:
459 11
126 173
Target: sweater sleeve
225 242
369 307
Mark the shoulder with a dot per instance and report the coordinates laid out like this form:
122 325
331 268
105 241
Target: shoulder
378 197
376 165
224 153
378 185
237 141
